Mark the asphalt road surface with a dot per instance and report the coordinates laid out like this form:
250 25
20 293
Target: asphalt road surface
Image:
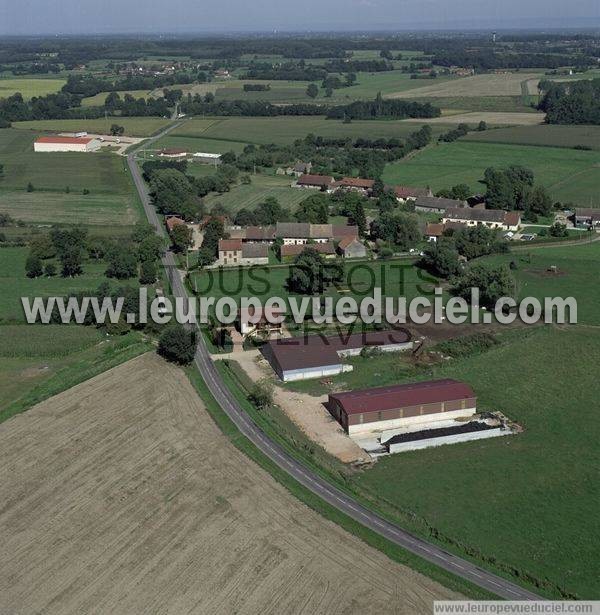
326 491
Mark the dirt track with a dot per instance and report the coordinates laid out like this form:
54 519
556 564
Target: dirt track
121 496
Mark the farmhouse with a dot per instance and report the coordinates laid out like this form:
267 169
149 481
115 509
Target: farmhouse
318 182
315 356
325 249
303 232
354 184
172 221
233 252
299 169
263 319
406 193
433 231
65 144
437 205
392 407
352 247
492 218
587 216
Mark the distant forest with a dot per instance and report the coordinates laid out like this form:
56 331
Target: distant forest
571 103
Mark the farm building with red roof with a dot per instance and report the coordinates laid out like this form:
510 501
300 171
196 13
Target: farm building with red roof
396 406
57 143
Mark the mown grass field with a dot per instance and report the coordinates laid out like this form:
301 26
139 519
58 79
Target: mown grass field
198 144
283 130
395 278
570 178
134 126
578 275
29 87
543 135
14 284
112 200
262 186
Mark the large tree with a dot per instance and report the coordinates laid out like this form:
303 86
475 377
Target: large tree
177 344
310 274
492 282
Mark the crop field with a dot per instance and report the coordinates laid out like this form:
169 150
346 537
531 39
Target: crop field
111 200
508 498
284 130
198 144
490 117
14 284
29 87
134 126
545 135
571 177
504 84
262 186
134 455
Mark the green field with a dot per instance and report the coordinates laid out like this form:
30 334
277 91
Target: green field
544 134
262 186
283 130
198 144
134 126
578 275
29 87
510 498
112 200
570 177
98 99
395 278
14 284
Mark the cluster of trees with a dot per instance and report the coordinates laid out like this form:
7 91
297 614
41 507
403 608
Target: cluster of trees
577 102
488 59
270 211
381 108
398 228
209 250
514 188
289 71
357 66
174 192
130 106
310 274
335 156
68 245
459 192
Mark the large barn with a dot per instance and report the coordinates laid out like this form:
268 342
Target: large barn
65 144
392 407
316 356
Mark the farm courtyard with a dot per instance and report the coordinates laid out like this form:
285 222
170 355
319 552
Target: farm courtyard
122 495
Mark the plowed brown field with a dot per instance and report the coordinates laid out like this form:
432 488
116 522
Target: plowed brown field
121 496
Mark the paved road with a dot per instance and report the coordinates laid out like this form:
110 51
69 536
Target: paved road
326 491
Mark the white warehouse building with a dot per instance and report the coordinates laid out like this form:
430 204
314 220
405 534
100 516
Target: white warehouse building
66 144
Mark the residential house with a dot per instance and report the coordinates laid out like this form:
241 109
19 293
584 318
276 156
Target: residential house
352 247
289 251
492 218
406 193
354 184
299 169
315 182
173 152
587 216
303 232
233 253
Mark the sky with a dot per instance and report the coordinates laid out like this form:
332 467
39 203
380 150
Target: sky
199 16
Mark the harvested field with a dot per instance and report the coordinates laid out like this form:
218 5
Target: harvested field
122 496
490 117
503 84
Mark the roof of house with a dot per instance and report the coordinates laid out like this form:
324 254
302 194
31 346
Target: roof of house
230 245
255 250
402 395
321 351
295 249
255 315
173 221
587 212
315 180
299 230
405 192
346 242
339 231
510 218
434 229
57 139
355 182
434 202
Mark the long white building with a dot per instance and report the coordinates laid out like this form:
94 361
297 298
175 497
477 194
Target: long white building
65 144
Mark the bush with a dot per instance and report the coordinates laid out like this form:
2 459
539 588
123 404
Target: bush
178 345
33 267
468 345
261 394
